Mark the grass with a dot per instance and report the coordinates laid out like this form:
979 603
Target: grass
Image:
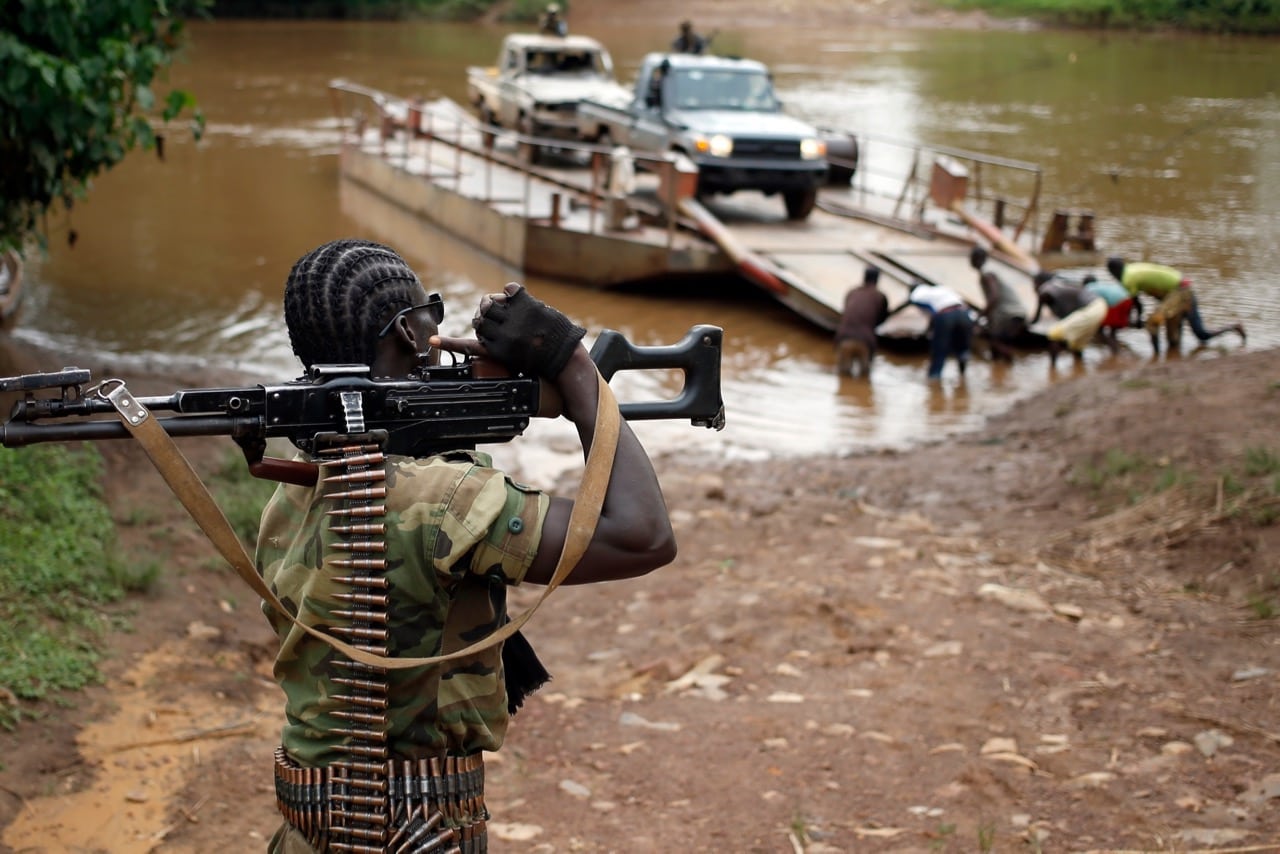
59 568
1115 464
1253 481
986 836
1262 605
1260 462
240 495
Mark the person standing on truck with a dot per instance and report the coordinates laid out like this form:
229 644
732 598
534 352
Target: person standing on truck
688 41
551 23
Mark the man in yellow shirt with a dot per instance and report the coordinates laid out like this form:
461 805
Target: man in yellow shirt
1177 301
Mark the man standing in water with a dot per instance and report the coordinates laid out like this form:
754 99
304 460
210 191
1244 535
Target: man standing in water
865 308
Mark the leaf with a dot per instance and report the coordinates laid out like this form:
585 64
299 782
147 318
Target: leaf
73 81
176 101
145 97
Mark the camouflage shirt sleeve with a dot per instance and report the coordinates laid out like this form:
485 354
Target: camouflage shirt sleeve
479 520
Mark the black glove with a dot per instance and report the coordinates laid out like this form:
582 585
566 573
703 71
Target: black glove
527 335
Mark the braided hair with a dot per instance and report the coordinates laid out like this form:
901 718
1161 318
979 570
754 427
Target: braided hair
340 294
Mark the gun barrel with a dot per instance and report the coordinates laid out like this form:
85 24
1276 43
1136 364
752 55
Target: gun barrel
451 407
16 434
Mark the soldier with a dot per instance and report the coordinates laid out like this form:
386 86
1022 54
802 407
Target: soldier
377 759
551 23
688 41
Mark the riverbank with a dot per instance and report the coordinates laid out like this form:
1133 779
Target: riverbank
1055 633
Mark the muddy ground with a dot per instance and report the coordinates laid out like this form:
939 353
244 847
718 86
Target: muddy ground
1055 634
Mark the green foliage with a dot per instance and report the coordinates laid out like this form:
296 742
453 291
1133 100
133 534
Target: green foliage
1226 16
1263 607
1115 465
1261 461
78 91
986 836
354 10
241 496
57 568
1171 476
530 10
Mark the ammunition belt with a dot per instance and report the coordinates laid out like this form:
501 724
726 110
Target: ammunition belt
365 801
430 805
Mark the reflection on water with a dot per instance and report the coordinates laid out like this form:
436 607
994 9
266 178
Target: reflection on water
1174 143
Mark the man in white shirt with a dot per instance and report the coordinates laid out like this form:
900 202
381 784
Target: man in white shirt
950 325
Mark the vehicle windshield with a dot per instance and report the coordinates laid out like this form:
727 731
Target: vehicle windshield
703 89
565 62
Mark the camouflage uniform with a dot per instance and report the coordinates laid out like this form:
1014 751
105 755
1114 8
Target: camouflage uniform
458 532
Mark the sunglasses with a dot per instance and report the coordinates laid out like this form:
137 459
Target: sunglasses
434 304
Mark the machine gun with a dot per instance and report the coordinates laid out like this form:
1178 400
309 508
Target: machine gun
444 407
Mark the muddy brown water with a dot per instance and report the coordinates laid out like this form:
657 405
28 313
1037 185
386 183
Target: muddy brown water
1173 141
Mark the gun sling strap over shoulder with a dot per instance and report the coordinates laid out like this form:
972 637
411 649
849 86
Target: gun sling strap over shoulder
194 495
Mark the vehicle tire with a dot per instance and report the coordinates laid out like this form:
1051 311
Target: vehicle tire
488 127
604 140
800 202
529 152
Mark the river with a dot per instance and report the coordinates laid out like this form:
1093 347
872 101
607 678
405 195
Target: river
1173 141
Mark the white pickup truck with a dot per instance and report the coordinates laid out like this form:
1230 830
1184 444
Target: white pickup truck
722 113
539 80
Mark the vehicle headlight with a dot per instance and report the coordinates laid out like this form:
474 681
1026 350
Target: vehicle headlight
812 149
717 146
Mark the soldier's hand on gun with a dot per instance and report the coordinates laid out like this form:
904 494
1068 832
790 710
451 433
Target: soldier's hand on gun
521 332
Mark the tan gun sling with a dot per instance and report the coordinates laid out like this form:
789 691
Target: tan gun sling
195 497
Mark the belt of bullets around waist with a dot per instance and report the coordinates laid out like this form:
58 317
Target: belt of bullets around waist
397 807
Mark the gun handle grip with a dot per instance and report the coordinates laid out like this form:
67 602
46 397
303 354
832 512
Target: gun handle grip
286 471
